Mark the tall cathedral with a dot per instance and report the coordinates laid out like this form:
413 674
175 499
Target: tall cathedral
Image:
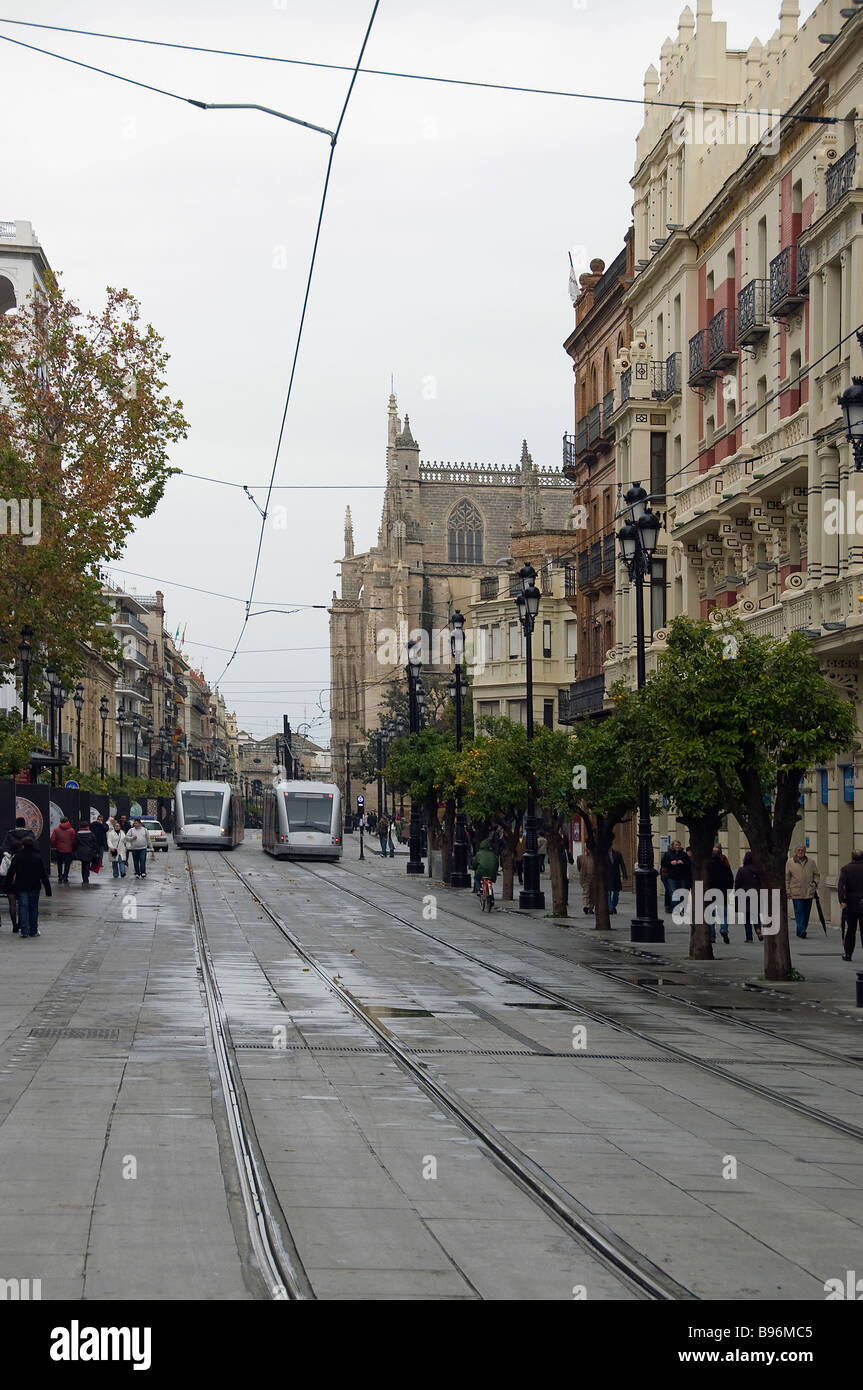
439 521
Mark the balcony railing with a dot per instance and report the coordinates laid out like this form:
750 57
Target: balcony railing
699 372
132 685
563 706
569 582
625 385
596 560
607 412
753 320
180 686
126 619
586 697
722 339
608 554
785 291
802 269
545 581
594 423
488 587
568 452
841 177
583 568
581 436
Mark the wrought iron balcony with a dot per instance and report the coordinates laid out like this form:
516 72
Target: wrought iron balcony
722 339
753 320
569 584
802 270
563 706
123 618
180 686
625 385
581 436
841 177
608 553
583 568
488 587
596 560
699 371
594 424
586 697
607 412
785 293
568 452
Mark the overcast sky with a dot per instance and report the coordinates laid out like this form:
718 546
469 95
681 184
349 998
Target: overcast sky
443 260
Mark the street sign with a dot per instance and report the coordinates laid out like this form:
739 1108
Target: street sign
361 801
72 784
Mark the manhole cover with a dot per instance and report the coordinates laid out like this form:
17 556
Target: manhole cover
560 1007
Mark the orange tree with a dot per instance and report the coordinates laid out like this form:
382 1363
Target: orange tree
491 776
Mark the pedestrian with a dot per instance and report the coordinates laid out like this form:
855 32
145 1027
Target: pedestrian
26 877
675 870
615 873
118 849
484 865
585 867
373 820
13 842
398 828
565 861
100 830
86 850
519 856
383 829
801 881
63 844
748 880
139 843
718 877
542 850
851 898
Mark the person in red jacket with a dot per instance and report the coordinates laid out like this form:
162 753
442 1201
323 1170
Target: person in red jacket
63 843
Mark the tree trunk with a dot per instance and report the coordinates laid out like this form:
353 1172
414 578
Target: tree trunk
554 840
507 867
702 837
447 841
598 840
769 829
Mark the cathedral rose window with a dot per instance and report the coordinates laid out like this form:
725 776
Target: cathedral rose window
465 534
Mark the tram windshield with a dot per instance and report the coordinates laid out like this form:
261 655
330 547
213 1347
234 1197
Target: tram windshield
309 811
202 808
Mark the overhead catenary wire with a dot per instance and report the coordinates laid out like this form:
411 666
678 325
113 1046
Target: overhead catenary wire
384 72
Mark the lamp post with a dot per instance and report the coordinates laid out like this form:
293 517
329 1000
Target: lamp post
136 725
78 702
349 820
380 763
638 538
851 402
459 877
61 700
121 721
53 681
414 666
103 715
391 735
25 656
527 602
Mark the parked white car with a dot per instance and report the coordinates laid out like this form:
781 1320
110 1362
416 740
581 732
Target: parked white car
158 838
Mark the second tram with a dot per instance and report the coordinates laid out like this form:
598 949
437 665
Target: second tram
207 815
302 820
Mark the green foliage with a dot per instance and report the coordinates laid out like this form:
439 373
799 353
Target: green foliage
492 770
16 744
424 765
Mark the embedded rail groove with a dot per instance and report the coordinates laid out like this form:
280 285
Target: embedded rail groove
279 1263
821 1117
530 1177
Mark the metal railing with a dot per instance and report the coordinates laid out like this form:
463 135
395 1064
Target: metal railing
787 288
580 436
586 697
596 560
841 177
607 411
569 581
126 619
568 452
802 269
625 385
608 553
594 423
722 337
667 376
488 588
752 317
698 368
583 568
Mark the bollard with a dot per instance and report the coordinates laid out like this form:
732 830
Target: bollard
860 989
362 856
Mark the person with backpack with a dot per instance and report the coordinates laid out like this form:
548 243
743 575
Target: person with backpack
26 877
86 851
11 845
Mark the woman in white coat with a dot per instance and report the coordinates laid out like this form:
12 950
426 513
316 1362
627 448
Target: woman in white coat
118 849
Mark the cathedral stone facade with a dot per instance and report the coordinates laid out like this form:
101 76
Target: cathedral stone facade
439 521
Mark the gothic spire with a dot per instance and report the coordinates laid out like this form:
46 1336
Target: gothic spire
349 532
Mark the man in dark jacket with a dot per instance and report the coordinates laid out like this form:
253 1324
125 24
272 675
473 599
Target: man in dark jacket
25 879
851 898
675 870
87 850
15 838
615 873
718 875
100 831
484 865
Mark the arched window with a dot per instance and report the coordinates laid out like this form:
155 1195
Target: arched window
593 395
607 374
465 534
7 294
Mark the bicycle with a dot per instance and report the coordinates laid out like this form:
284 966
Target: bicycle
486 895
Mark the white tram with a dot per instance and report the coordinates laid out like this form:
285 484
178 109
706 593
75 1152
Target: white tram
302 820
207 815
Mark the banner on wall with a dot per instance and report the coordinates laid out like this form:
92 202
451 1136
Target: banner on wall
32 803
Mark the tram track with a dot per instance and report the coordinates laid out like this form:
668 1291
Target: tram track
604 973
278 1261
646 1278
742 1082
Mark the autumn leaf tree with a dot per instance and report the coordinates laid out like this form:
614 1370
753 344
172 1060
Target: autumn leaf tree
86 427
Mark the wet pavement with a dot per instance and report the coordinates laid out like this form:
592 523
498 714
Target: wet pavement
118 1175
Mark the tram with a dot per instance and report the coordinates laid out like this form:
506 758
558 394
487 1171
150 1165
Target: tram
207 815
302 820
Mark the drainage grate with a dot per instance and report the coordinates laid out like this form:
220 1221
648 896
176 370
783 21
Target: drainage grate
107 1033
301 1047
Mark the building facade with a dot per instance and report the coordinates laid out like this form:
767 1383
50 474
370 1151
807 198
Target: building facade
440 523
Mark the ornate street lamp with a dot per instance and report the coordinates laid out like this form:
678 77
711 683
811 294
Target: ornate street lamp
349 820
851 402
25 657
391 735
136 725
638 538
121 721
414 666
78 702
459 877
53 682
103 715
60 698
527 603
